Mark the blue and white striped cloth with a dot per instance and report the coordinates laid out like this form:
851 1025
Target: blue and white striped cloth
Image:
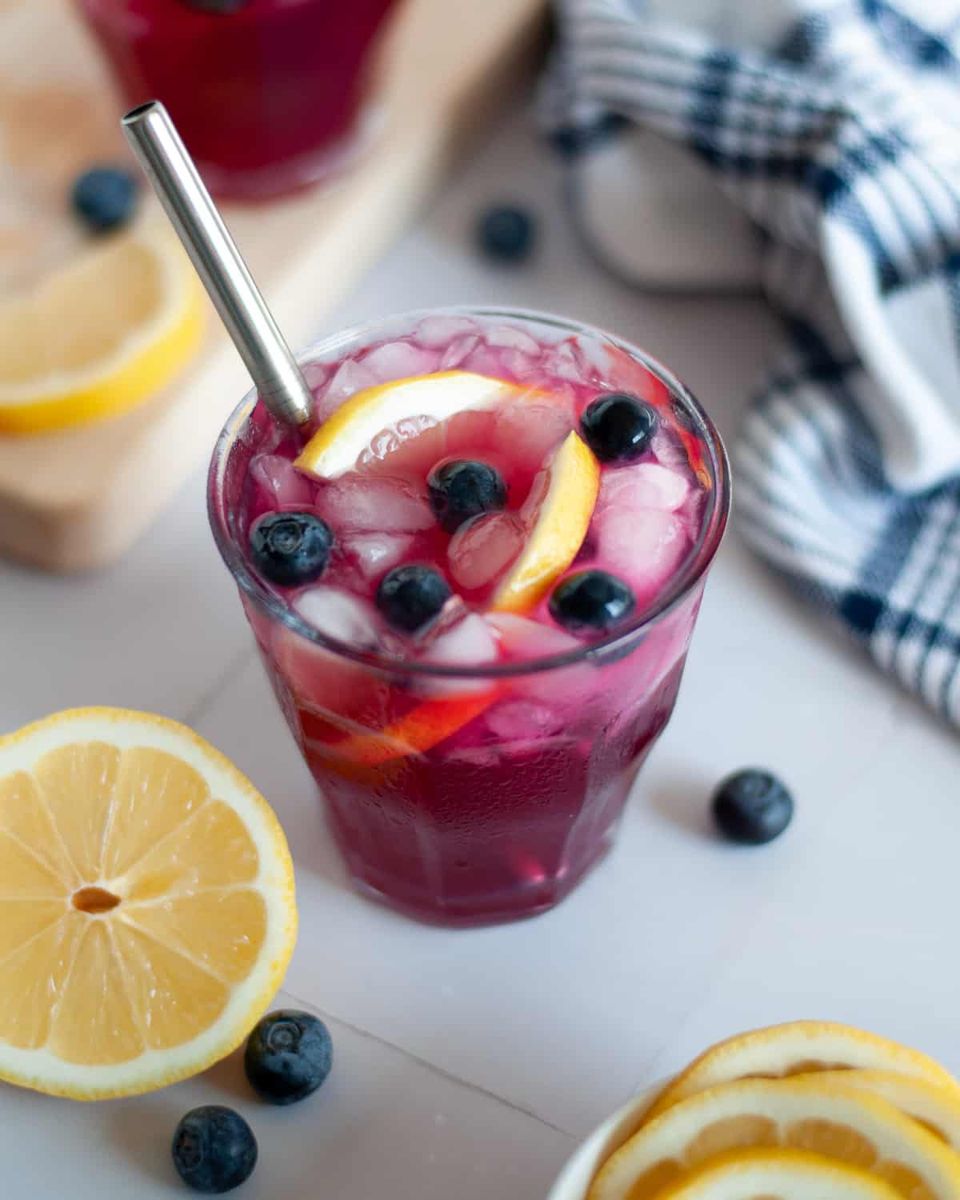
835 124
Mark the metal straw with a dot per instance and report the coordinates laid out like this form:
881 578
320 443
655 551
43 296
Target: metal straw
224 274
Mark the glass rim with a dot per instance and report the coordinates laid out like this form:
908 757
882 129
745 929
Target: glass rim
691 571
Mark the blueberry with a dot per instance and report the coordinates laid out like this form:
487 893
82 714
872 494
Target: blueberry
463 489
288 1056
411 596
506 234
752 807
291 547
105 198
618 427
214 1149
591 600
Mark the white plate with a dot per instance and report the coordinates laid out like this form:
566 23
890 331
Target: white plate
574 1180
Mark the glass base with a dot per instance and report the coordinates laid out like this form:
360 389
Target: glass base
492 910
275 180
461 909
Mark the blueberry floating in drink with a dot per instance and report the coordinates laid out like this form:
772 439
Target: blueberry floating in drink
463 489
410 597
594 600
291 548
619 427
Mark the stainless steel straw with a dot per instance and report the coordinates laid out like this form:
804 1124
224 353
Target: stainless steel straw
188 204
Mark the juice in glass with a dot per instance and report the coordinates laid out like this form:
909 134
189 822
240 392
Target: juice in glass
269 95
477 603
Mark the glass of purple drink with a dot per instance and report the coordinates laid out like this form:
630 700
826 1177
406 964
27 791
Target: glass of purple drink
269 95
474 677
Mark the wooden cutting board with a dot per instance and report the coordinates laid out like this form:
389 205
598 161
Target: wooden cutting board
77 499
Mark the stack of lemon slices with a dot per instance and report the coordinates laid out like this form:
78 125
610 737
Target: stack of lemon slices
805 1111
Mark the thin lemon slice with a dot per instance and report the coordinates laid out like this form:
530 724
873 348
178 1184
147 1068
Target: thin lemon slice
101 336
937 1108
422 400
815 1114
797 1048
147 907
560 526
778 1175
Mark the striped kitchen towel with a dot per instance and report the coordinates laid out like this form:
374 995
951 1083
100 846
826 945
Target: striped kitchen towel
834 126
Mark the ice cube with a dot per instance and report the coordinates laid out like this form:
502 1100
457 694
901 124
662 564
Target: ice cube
483 361
280 485
525 638
647 485
375 553
468 643
400 360
350 377
436 333
338 614
373 504
459 350
508 336
484 547
521 719
567 362
645 547
668 450
316 374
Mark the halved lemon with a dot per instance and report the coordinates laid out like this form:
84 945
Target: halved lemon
797 1048
778 1175
937 1108
147 908
423 400
817 1114
102 335
559 528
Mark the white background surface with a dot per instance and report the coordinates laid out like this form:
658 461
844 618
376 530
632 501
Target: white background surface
469 1063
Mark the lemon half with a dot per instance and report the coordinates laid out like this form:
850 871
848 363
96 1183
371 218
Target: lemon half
102 335
147 908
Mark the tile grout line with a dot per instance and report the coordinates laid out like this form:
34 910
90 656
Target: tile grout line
234 668
433 1067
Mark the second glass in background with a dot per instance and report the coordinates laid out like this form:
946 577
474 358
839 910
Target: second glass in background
269 95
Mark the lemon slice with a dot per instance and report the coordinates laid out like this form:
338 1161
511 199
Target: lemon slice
560 526
797 1048
147 907
422 400
815 1114
101 336
778 1175
934 1106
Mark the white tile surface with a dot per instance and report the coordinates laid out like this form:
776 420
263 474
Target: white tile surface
382 1125
676 940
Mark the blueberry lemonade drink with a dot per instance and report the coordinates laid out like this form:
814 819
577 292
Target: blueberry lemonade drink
473 580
